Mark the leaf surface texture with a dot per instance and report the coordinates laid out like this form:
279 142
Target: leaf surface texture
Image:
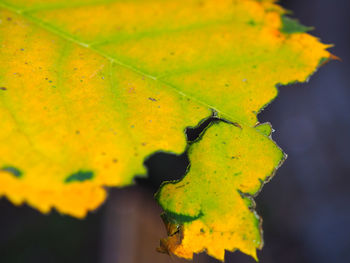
90 88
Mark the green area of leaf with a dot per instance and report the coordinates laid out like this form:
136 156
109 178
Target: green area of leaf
291 25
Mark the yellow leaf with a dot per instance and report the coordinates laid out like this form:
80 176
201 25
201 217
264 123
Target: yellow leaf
213 203
89 88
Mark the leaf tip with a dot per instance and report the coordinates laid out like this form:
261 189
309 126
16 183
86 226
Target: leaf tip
291 26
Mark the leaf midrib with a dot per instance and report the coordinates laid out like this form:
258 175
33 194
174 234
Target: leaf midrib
68 37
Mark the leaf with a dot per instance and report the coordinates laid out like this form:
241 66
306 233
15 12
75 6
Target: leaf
90 88
290 26
213 203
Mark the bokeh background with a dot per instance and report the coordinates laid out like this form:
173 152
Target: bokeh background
305 207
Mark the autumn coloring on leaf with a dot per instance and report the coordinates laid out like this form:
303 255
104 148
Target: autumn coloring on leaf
90 89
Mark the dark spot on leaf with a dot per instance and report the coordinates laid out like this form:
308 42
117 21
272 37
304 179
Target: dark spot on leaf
3 88
239 173
251 23
115 160
9 19
79 176
181 218
152 99
12 170
200 4
22 49
202 230
77 132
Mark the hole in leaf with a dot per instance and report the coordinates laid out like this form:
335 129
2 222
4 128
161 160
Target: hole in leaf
195 132
163 167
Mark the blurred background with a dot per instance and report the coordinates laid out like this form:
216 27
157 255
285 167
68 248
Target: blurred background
305 207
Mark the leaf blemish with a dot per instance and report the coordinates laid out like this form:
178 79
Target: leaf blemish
251 23
3 88
152 99
12 170
79 176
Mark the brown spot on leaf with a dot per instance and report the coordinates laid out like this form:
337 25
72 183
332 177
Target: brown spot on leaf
175 236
